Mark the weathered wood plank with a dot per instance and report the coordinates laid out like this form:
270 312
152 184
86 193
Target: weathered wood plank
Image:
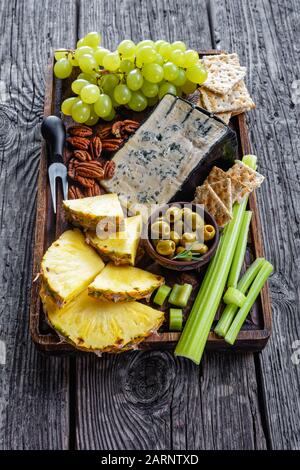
150 400
266 35
34 392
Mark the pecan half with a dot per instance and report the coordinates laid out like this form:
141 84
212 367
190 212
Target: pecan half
80 131
75 192
89 170
104 131
84 181
95 147
96 190
82 155
111 145
122 128
80 143
109 170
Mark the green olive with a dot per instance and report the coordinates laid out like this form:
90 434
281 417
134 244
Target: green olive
195 221
175 237
161 229
185 213
209 232
188 237
200 248
180 249
165 247
173 213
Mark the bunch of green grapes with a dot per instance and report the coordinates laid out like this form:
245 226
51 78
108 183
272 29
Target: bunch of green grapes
135 75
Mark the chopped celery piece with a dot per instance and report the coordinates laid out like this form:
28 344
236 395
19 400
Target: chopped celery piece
229 312
161 294
240 251
250 160
174 294
180 295
175 319
234 296
258 283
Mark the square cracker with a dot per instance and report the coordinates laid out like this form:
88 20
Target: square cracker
244 174
238 98
224 116
223 77
238 189
205 195
222 189
225 58
216 174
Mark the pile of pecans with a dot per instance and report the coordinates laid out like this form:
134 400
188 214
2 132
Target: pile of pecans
86 166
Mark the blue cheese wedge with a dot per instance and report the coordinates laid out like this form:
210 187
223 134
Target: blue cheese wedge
162 160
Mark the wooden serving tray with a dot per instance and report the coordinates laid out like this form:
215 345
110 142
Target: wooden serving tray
256 330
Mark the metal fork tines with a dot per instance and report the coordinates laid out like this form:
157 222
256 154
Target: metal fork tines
58 170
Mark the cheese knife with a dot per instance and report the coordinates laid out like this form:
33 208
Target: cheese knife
54 133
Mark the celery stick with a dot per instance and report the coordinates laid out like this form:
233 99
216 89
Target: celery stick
250 160
196 330
234 296
240 251
194 336
184 295
255 289
176 317
229 312
174 294
161 294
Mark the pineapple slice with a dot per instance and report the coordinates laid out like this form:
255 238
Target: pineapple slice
89 211
92 325
121 283
69 266
121 247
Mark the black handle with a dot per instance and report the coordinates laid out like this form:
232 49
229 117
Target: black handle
54 133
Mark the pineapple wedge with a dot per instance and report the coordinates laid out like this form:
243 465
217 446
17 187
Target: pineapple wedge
92 325
89 211
124 283
69 266
121 247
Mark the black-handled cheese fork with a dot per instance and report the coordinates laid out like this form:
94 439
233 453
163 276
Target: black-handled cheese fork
54 133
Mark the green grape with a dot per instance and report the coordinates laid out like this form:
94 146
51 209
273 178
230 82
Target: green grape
103 106
153 72
93 119
78 84
146 54
179 45
177 57
62 68
111 61
196 74
73 61
134 80
122 94
165 50
152 101
81 111
60 54
149 89
188 87
80 51
92 39
80 43
159 43
113 101
138 101
139 63
67 105
191 57
111 115
88 77
99 54
180 79
90 93
109 82
159 59
87 63
126 66
166 88
146 42
170 71
126 48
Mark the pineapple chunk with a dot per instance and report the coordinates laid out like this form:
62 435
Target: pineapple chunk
121 283
121 247
89 211
92 325
69 266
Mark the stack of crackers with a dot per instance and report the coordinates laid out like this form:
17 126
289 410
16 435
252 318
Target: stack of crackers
222 189
224 93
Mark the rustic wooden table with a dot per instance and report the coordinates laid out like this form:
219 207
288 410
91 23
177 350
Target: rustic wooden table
150 400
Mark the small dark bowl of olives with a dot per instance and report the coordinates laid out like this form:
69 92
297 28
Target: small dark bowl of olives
181 236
